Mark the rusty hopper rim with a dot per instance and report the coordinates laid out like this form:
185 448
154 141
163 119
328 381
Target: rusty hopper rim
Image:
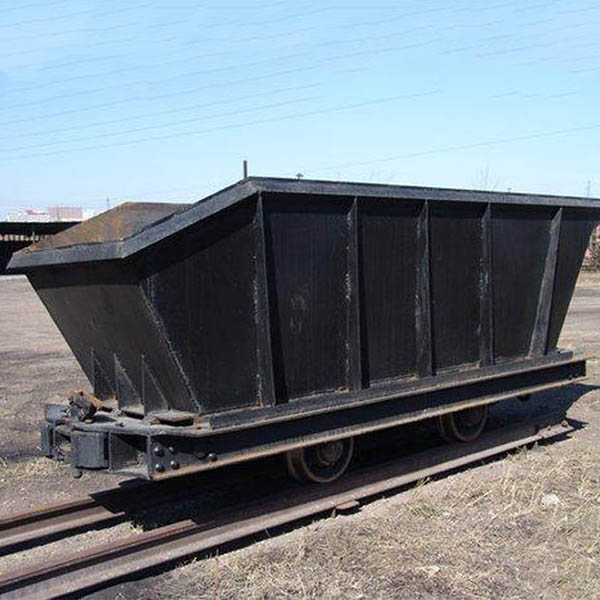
182 217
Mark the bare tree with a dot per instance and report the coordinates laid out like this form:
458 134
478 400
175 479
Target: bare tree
487 180
592 256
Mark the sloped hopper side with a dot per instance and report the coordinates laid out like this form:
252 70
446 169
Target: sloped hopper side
105 318
175 326
285 295
101 311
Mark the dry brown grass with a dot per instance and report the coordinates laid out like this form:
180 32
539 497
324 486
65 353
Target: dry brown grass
30 468
528 528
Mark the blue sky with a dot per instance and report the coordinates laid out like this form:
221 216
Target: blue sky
153 100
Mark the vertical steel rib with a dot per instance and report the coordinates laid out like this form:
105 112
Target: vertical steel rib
539 336
353 365
263 326
486 321
423 304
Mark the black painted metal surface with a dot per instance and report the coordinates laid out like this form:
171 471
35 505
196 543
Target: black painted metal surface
276 292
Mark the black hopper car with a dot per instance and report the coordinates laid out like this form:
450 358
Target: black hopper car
289 316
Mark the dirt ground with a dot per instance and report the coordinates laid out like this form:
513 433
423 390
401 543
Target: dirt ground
36 367
527 526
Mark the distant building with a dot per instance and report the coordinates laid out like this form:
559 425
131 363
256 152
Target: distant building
54 214
29 215
65 213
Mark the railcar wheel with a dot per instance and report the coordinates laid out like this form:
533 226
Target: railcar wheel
463 425
321 463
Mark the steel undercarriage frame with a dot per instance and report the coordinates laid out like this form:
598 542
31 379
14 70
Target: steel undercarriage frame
126 445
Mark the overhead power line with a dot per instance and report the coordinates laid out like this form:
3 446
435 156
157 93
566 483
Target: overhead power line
81 13
138 82
471 146
36 5
164 125
185 59
178 94
132 39
79 93
246 23
62 33
242 66
329 110
135 117
229 40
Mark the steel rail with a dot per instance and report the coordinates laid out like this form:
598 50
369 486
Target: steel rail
28 529
106 564
101 509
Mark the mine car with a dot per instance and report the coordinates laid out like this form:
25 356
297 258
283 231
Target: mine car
290 316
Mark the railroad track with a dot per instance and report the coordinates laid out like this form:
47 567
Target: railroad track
106 564
102 509
99 510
